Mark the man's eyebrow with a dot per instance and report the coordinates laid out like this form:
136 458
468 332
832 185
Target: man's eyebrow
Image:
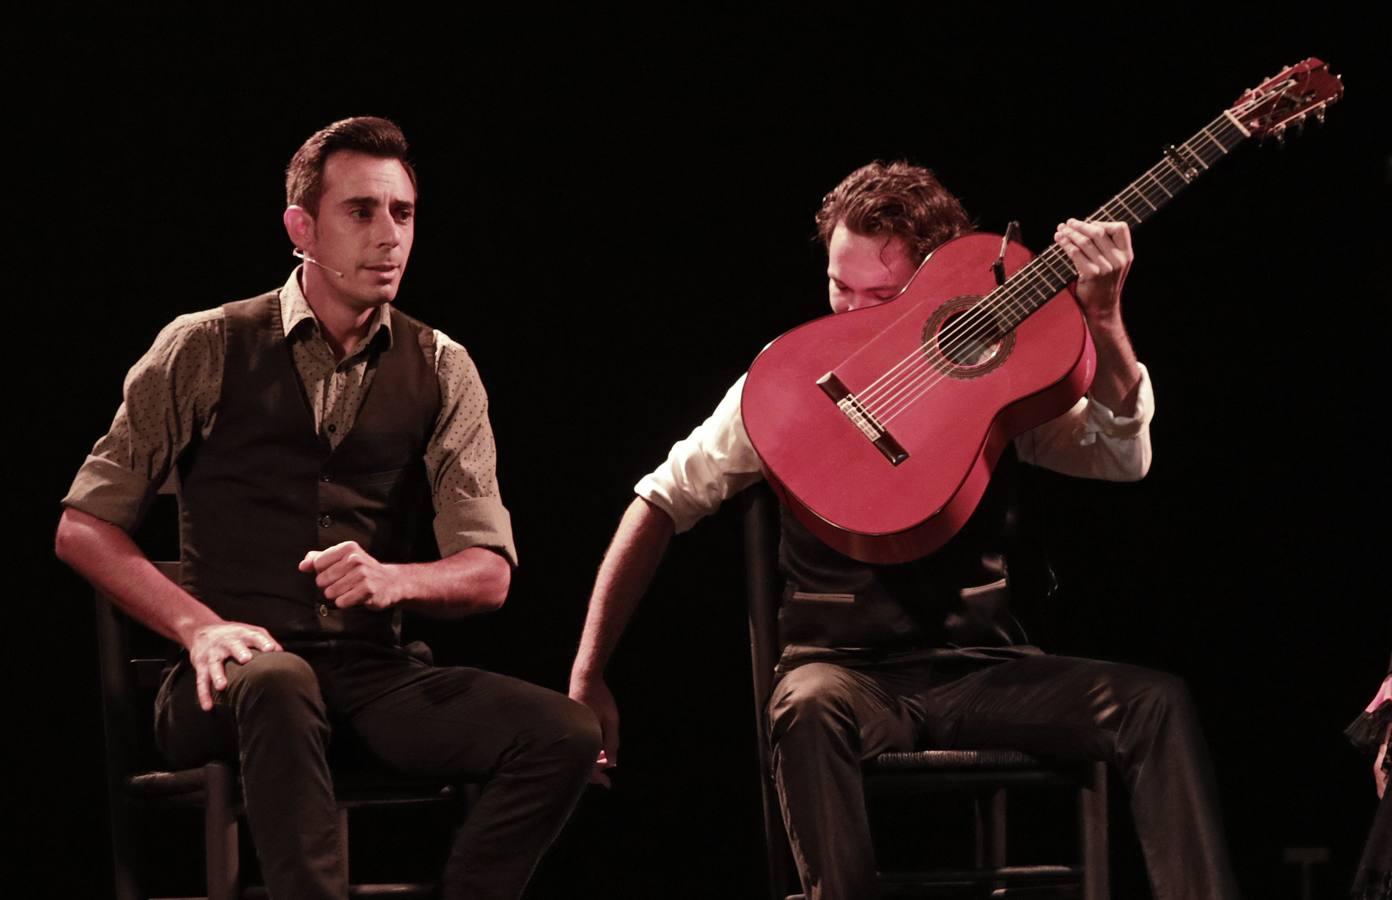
373 203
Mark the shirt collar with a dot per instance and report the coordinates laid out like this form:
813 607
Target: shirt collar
295 309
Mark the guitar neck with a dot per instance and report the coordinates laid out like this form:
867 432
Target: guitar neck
1050 272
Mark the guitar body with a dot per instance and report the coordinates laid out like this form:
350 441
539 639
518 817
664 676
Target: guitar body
949 405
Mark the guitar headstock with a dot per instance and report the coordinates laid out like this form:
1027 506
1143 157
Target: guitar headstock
1287 99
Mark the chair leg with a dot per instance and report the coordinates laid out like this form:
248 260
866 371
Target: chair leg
780 854
343 840
1092 808
220 834
996 835
127 884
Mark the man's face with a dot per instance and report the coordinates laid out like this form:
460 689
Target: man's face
863 270
364 229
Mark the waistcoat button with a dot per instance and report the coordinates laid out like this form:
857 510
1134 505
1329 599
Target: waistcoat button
325 520
323 610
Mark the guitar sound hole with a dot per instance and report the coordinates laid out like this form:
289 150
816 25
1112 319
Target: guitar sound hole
963 340
970 337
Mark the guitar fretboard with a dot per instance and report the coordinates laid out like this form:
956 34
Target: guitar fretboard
1043 277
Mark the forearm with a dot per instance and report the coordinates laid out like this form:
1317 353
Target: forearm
624 576
1118 374
107 557
1101 254
471 581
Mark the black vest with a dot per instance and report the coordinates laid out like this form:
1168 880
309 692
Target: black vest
958 597
263 488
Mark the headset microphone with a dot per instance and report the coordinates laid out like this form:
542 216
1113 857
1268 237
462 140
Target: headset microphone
309 259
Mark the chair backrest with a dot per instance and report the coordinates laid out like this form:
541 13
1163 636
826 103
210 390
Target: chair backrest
764 588
132 662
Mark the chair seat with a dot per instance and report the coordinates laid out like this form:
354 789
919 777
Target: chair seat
422 891
973 768
353 788
186 785
957 759
1017 876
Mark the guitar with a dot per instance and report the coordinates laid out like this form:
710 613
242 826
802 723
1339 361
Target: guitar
879 427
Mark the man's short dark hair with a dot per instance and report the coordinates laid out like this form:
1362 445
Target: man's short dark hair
304 177
896 200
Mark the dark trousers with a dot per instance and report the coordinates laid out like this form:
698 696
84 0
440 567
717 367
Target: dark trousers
825 719
533 746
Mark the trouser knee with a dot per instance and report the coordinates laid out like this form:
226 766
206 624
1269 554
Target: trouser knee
563 732
1161 695
1157 708
277 685
575 732
811 700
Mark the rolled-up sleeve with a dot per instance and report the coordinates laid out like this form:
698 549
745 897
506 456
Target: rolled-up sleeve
461 461
1090 441
712 464
169 396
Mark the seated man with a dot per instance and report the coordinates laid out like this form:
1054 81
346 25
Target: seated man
310 426
881 658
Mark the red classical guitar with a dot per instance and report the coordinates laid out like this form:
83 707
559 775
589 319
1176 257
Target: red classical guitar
879 427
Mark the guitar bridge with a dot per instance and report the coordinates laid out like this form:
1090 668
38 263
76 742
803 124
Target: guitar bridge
862 418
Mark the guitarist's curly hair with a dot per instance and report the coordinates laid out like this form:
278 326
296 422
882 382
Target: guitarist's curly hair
897 199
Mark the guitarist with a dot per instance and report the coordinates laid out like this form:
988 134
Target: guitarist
884 658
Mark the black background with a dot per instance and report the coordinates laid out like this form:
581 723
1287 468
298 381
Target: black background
614 217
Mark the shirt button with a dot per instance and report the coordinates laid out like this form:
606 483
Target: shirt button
325 520
323 610
332 428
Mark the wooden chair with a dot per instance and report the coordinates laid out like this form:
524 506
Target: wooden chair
133 662
987 774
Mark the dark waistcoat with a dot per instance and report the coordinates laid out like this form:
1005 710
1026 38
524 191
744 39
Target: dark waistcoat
263 488
957 597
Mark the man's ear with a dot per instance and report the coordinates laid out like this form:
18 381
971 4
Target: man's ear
299 225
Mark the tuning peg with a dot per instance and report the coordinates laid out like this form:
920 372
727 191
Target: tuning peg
1319 115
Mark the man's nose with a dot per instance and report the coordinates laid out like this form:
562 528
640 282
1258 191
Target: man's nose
388 232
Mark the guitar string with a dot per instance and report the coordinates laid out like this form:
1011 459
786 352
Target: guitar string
1194 153
986 309
983 319
921 377
933 369
966 329
1021 284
